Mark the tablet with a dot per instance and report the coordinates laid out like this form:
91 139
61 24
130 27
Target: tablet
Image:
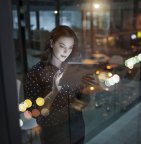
74 72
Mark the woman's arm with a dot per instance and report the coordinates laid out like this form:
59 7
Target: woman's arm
49 98
34 88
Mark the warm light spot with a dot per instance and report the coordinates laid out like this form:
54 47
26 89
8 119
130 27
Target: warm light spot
96 6
92 88
102 76
109 74
97 72
22 107
132 46
129 71
40 101
106 89
28 103
27 114
110 38
108 67
89 61
35 112
45 112
139 34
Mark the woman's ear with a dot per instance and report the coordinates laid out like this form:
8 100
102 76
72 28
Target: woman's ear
51 43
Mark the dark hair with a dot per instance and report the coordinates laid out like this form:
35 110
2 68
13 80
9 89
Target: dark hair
56 33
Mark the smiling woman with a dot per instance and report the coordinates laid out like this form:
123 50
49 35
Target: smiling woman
60 119
62 48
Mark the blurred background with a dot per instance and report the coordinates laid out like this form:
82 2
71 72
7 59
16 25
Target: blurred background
109 33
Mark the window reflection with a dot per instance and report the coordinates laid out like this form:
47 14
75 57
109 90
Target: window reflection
108 35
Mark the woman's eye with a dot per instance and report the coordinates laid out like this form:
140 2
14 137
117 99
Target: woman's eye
61 46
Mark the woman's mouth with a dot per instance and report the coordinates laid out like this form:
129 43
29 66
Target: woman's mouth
63 56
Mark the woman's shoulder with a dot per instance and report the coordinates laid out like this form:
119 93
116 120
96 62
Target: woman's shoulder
39 66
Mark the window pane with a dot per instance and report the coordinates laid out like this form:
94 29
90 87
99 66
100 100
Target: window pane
47 20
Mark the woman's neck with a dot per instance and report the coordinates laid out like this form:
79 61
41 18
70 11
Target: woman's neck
56 62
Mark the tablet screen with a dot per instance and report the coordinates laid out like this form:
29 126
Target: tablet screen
74 73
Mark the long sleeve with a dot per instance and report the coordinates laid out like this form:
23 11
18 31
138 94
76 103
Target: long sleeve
32 88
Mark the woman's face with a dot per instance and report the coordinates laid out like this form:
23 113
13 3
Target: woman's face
62 48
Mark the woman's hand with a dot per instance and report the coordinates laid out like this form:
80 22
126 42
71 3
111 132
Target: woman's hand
49 98
56 80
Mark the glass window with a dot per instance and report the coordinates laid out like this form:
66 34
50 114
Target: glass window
33 22
109 49
47 20
69 18
15 19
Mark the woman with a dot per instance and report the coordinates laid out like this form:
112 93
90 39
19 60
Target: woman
62 121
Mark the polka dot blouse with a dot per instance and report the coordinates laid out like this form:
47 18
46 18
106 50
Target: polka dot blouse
38 83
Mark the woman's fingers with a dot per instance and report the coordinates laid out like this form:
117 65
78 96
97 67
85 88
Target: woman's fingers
60 75
56 80
57 73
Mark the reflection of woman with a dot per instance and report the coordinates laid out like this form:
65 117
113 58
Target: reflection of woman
60 119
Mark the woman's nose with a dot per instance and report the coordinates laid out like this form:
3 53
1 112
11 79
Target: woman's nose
65 51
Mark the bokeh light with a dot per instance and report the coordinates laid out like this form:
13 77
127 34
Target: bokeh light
28 103
139 57
108 67
92 88
22 107
40 101
102 76
112 80
45 112
96 6
132 61
138 34
97 72
35 113
27 114
55 12
133 36
116 78
20 122
109 74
